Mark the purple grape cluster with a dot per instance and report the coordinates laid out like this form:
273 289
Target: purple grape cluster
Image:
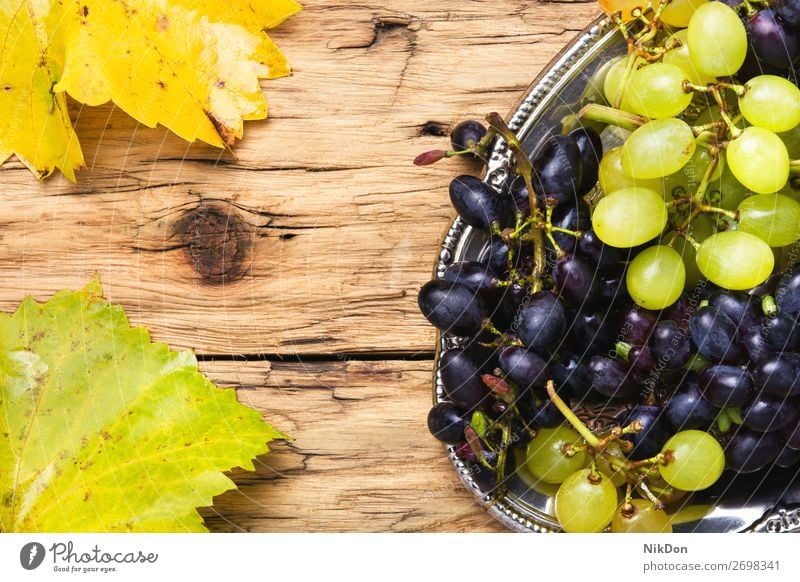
726 362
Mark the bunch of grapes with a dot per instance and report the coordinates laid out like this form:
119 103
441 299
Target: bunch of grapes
633 322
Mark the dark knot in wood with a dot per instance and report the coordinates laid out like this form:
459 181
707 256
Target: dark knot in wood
217 243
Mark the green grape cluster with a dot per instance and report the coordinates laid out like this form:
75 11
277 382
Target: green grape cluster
704 173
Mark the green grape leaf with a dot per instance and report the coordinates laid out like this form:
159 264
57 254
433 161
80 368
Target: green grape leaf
103 430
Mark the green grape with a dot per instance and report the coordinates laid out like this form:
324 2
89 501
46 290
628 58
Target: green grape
699 229
759 160
678 12
679 57
583 505
658 148
656 91
726 193
610 470
771 102
685 181
656 277
545 455
697 460
616 80
629 217
612 177
641 517
717 40
735 260
774 218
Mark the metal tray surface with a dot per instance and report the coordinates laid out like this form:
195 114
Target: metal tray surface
751 503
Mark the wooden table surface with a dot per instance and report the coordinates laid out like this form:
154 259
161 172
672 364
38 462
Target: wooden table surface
328 233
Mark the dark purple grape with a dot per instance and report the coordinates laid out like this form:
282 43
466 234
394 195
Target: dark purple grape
649 441
725 385
604 257
511 299
779 375
477 203
542 413
770 40
557 172
753 67
461 378
714 334
570 372
788 11
748 451
452 307
612 290
593 332
572 216
475 275
781 332
791 435
446 422
466 134
687 409
755 345
498 255
610 377
641 358
636 324
767 413
787 294
787 458
670 345
524 367
743 309
574 280
541 322
520 201
590 147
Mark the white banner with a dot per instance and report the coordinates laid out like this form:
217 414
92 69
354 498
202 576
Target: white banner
401 557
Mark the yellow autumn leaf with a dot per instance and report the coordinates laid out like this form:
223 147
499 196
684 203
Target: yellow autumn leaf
190 65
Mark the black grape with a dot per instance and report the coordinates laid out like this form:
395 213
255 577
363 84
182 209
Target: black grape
787 295
791 435
781 332
604 257
714 334
478 203
636 325
748 451
572 373
461 378
446 422
524 367
590 147
669 345
787 458
743 309
610 377
592 332
725 385
755 345
654 434
779 374
767 413
557 172
788 11
687 409
770 41
571 216
541 323
520 201
466 134
574 280
452 307
475 275
641 358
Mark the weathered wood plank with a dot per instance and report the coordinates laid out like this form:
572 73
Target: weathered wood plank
318 224
362 459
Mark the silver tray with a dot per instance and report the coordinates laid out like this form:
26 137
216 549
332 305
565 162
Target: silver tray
754 503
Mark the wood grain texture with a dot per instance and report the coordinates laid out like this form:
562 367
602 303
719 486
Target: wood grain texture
362 459
335 230
309 240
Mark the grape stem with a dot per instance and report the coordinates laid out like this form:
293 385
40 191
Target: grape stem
794 166
525 169
611 116
657 503
576 422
